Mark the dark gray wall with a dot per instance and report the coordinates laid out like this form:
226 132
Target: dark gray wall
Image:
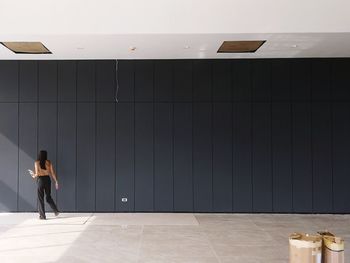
186 135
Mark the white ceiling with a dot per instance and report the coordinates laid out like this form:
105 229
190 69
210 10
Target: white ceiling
160 29
172 46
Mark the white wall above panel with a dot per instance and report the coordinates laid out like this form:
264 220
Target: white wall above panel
50 17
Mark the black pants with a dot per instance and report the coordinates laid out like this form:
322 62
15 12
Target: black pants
44 186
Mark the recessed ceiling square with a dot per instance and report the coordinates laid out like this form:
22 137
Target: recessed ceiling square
249 46
26 47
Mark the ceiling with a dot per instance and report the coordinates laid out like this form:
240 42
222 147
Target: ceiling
183 46
168 29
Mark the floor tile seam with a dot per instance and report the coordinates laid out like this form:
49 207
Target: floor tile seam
211 246
196 219
89 217
140 244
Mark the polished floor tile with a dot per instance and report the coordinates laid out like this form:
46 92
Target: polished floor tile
157 238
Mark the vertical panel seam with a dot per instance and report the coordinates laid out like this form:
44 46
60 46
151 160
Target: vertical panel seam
114 135
192 142
36 102
115 157
57 116
331 71
76 134
311 139
18 142
212 137
251 136
291 136
37 109
95 135
233 139
134 135
173 132
154 130
272 173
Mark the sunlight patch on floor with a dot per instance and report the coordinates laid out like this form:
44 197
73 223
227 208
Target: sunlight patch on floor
34 240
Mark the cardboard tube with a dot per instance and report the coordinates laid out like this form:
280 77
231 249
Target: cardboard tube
304 248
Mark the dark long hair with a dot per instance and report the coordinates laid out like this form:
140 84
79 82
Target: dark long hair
42 157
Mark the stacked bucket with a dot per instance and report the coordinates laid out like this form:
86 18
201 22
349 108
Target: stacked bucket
322 248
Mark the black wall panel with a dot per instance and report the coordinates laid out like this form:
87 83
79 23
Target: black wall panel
202 80
86 153
300 79
242 80
263 135
340 79
242 149
320 79
9 81
280 80
126 81
222 157
9 156
86 78
301 157
144 76
322 157
105 81
202 157
281 158
341 157
27 143
183 170
163 81
67 81
144 157
28 81
261 80
182 81
163 157
47 134
221 80
125 156
105 157
67 156
262 159
47 81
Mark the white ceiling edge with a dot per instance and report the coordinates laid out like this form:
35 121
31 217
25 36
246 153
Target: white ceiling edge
173 46
48 17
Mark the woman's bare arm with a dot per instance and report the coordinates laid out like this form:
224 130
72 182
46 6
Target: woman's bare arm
53 175
35 174
52 172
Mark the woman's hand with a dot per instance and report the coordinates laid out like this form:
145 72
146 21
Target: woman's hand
56 185
31 173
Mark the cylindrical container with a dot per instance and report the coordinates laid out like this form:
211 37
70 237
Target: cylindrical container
304 248
333 249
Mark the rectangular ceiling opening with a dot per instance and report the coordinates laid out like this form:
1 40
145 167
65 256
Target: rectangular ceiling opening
26 47
249 46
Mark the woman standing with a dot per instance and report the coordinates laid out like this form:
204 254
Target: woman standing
43 170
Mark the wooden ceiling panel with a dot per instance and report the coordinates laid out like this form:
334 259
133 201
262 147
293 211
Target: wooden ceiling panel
240 46
26 47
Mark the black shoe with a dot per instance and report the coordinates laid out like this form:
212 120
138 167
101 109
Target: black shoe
42 217
57 213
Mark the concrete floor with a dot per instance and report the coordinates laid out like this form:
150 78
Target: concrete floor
162 238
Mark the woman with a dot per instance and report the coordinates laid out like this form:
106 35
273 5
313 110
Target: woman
44 168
